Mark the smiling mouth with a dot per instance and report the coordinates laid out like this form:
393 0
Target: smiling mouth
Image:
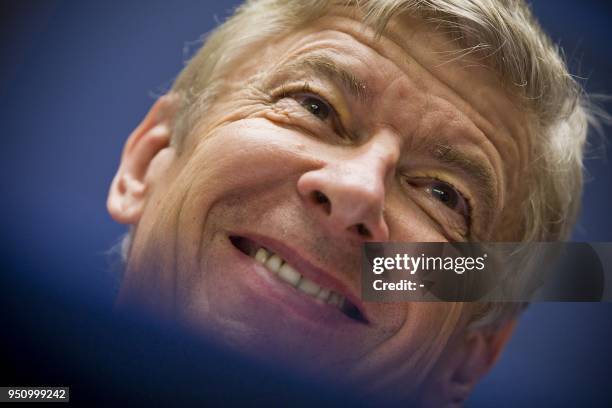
289 275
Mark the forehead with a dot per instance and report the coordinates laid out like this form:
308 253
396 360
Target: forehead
416 52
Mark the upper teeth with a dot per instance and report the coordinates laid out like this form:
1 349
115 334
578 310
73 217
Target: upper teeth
287 273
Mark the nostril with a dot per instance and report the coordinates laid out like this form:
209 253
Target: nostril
363 230
321 199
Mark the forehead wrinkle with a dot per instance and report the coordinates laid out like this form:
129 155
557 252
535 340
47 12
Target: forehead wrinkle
405 57
323 64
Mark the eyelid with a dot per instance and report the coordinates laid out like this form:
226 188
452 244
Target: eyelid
314 95
306 88
468 202
440 179
459 191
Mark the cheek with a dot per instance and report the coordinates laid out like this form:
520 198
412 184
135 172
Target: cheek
239 158
249 158
244 154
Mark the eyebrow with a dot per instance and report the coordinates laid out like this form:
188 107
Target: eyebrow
475 169
326 66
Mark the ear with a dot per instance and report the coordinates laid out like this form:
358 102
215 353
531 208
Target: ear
477 352
147 153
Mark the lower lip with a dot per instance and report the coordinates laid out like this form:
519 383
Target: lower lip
303 306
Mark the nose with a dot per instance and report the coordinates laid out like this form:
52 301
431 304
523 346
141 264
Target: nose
348 195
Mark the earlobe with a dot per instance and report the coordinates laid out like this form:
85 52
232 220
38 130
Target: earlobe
146 155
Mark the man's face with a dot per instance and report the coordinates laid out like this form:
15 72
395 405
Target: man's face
321 140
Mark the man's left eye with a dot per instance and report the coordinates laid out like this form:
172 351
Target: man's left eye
316 106
448 195
445 194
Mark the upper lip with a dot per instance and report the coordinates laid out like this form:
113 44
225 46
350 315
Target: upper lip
305 267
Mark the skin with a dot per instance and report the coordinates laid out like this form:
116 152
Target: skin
253 165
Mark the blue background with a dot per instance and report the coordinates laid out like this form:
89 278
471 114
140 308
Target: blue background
77 76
